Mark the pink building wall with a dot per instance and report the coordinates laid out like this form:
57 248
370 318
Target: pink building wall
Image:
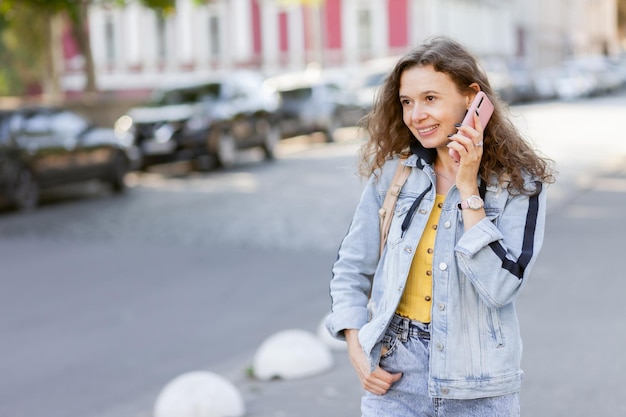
398 23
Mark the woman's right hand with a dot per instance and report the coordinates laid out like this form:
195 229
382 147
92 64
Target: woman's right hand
377 382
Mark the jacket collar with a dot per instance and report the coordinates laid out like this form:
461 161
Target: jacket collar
424 156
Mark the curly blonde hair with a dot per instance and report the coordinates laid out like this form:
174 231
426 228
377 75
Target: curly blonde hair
506 154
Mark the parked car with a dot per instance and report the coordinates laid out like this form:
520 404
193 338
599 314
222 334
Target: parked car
44 147
368 79
500 78
207 122
523 81
310 103
545 81
605 75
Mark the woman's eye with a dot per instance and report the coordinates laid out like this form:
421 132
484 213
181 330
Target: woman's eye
430 98
405 102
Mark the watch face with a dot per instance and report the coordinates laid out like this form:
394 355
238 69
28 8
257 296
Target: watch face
475 202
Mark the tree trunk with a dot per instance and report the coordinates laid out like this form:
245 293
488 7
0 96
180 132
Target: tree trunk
79 19
54 60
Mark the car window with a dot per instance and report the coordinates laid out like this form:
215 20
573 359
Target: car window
249 84
333 87
5 132
375 79
67 123
210 92
35 124
168 98
297 93
239 90
207 92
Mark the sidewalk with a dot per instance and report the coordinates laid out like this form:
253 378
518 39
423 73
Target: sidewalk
571 311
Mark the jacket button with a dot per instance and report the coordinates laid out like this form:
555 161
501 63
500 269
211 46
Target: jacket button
422 211
439 346
447 224
443 266
445 391
408 249
441 306
427 298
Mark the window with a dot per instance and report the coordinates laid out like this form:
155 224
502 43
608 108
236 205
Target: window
214 36
364 30
161 40
109 39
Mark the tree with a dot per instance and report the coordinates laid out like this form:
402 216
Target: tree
621 18
42 39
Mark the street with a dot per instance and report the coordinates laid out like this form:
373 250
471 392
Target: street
107 298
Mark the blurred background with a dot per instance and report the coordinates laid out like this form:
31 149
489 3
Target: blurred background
176 176
117 52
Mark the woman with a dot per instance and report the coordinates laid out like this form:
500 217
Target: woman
431 326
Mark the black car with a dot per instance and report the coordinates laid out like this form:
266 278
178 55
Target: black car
206 123
44 147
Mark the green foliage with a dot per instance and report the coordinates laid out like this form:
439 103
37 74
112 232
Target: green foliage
25 37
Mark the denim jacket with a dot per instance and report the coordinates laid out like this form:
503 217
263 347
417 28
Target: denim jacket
475 347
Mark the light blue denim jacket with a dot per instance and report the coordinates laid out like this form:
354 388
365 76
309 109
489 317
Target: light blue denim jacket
475 348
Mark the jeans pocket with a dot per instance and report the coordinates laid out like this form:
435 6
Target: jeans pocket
390 343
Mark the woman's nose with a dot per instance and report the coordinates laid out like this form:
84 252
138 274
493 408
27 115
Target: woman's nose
418 113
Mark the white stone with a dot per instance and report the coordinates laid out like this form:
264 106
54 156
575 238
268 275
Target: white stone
291 354
199 394
327 339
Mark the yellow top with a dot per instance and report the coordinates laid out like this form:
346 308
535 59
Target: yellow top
417 297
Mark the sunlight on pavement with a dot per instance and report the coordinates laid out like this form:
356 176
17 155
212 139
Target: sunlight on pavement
241 182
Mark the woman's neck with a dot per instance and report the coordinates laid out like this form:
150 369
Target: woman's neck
445 174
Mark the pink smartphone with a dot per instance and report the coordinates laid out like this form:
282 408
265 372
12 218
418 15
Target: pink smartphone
483 106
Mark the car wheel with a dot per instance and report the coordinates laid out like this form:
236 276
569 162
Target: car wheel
26 191
203 163
119 169
271 138
226 150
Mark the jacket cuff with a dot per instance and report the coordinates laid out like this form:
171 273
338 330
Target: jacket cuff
477 237
352 318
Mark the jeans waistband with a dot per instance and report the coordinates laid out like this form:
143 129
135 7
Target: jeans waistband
405 327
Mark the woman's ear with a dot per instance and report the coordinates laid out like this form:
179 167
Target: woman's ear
475 87
470 96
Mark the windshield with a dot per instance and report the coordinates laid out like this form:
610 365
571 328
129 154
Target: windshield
208 92
297 94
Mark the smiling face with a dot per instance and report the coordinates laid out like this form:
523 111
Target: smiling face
431 105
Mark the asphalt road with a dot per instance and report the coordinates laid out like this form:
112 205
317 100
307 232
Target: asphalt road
105 299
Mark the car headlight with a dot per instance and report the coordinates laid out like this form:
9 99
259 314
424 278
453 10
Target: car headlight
124 124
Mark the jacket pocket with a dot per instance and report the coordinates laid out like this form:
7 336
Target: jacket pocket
495 327
395 231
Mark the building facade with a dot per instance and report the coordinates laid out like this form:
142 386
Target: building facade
136 49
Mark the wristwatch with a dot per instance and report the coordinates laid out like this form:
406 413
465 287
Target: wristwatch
474 202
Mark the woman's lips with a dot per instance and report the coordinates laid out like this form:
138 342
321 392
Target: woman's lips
427 130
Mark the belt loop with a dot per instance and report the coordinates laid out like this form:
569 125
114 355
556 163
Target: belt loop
405 329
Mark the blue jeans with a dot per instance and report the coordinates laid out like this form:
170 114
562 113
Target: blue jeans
406 343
